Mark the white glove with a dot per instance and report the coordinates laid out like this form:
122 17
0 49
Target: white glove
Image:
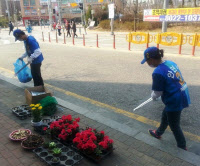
23 56
30 60
156 95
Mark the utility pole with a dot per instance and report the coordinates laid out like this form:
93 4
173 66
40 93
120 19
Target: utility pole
50 14
8 10
164 23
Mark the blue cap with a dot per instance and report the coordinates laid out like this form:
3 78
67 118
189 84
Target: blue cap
17 34
149 53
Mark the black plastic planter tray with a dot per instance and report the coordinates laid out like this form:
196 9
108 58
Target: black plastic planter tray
67 157
97 159
72 146
46 123
22 111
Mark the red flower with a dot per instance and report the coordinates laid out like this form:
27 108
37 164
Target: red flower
69 118
111 141
77 119
102 132
78 134
63 131
69 130
93 138
63 137
106 138
45 128
103 144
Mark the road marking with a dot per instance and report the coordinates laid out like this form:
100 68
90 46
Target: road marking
117 110
9 71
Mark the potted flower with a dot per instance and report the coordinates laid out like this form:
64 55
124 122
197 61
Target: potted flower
52 145
93 144
56 152
55 161
65 128
36 114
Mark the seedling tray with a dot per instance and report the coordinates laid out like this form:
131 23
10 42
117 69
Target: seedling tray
67 157
91 157
45 123
22 112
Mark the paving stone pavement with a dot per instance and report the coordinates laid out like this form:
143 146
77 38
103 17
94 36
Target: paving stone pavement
128 151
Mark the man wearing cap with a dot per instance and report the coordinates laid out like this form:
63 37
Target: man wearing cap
33 53
170 85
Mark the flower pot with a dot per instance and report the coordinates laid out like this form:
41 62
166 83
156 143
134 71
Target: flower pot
36 124
11 136
32 142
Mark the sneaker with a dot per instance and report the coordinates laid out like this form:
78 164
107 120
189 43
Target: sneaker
153 133
184 148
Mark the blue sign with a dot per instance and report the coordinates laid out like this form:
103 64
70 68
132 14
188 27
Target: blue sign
179 18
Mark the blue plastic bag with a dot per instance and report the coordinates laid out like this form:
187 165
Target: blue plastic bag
24 75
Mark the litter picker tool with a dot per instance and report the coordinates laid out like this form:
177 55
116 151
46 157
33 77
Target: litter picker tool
22 68
144 103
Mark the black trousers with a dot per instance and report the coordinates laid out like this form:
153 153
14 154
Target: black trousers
75 33
11 30
36 74
59 32
173 120
68 33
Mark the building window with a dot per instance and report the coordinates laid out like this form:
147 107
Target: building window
43 11
32 2
26 2
27 12
34 12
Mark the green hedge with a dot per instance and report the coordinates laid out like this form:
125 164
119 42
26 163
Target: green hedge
3 22
129 25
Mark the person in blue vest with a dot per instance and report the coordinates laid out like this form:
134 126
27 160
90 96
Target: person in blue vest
29 29
168 83
33 53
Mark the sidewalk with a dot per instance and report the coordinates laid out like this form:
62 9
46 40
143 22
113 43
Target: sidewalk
128 150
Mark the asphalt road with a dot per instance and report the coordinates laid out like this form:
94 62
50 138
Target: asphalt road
112 77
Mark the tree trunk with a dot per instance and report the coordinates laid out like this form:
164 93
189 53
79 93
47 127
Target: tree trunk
183 3
195 3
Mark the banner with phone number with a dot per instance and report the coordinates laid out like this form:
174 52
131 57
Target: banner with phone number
172 15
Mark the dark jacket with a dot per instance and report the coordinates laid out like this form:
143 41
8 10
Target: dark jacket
74 27
11 26
68 27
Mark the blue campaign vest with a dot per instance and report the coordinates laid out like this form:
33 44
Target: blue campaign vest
31 45
175 91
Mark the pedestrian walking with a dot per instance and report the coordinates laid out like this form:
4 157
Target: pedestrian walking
29 29
168 83
33 53
11 27
54 25
66 24
59 28
74 28
68 30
